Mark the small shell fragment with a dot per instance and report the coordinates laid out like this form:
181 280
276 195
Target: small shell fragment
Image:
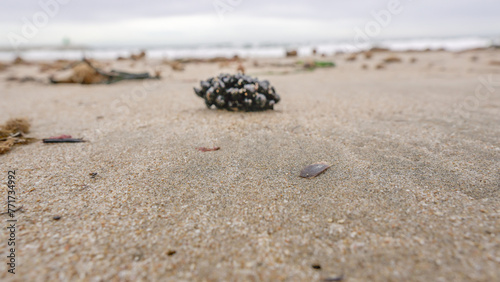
314 170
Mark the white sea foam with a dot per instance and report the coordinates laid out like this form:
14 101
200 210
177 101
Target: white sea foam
269 50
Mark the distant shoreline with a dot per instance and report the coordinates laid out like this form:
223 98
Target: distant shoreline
73 52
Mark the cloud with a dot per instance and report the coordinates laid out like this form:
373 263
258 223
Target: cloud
116 10
191 21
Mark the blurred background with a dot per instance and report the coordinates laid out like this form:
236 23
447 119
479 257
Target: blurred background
70 29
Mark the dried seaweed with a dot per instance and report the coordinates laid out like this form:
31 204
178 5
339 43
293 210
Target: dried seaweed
392 59
12 134
17 125
87 73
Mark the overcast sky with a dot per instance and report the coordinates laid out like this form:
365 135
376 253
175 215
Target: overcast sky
163 22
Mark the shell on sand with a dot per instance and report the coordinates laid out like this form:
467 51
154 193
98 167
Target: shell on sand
314 170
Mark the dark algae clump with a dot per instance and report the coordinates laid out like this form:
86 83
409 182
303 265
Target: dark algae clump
238 92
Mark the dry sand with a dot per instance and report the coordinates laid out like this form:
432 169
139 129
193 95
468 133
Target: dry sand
413 193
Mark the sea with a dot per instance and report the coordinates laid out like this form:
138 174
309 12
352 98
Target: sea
254 50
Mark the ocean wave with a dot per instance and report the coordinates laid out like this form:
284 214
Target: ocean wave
269 50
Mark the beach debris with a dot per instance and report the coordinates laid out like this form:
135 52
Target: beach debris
62 139
392 59
27 79
3 66
351 58
308 65
19 61
324 64
56 217
368 55
86 73
224 64
314 170
311 65
6 145
494 63
83 73
240 69
22 79
171 253
93 175
316 266
291 53
12 133
282 65
380 66
238 92
177 66
138 56
205 149
235 58
57 65
379 49
16 125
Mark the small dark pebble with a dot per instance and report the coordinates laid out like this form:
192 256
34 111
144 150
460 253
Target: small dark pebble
316 266
93 174
171 253
56 217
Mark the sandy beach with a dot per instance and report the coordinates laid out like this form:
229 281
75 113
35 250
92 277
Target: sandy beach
412 194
